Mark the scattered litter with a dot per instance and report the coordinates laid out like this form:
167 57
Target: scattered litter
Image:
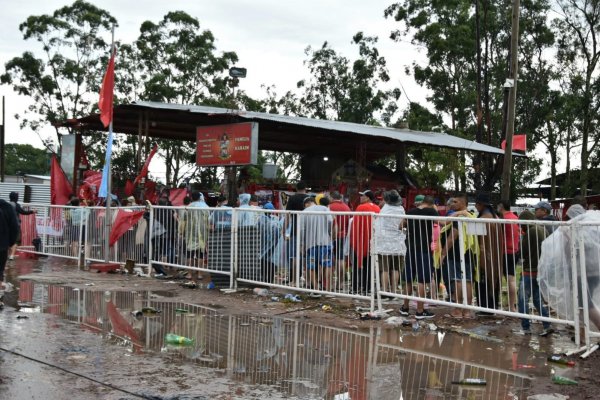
370 316
150 310
416 326
181 310
275 298
432 327
261 292
137 313
292 298
375 315
563 380
76 357
8 287
440 337
525 366
555 358
394 321
552 396
362 309
172 338
90 284
326 307
478 336
22 317
210 286
228 291
471 381
190 285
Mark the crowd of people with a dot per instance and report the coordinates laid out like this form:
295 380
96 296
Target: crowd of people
320 244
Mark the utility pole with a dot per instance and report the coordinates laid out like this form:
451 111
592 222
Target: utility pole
478 158
512 98
2 146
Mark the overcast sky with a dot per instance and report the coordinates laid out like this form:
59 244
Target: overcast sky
269 37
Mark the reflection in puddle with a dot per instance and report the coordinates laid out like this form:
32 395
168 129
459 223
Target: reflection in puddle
297 359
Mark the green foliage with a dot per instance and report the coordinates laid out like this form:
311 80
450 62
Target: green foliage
446 29
341 90
61 79
26 159
578 56
431 168
178 63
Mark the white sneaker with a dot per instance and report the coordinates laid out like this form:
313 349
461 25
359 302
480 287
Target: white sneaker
11 258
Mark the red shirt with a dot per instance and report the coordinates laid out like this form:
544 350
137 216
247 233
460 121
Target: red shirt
341 221
513 234
360 235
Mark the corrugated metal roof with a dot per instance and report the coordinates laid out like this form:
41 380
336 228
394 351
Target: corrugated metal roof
402 135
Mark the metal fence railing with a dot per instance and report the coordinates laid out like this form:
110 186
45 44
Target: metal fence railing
533 270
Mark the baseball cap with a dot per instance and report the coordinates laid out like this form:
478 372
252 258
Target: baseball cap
319 197
543 204
368 193
419 198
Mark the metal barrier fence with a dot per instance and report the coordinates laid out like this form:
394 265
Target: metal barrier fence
486 265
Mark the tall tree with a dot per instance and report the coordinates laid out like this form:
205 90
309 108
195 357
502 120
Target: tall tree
341 90
70 62
578 29
447 30
179 64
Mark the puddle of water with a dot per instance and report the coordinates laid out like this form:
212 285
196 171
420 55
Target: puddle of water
295 359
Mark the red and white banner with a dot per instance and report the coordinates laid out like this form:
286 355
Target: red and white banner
232 144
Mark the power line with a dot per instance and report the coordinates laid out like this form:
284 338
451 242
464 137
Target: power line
141 396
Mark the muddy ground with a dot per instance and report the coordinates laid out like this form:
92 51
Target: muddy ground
335 353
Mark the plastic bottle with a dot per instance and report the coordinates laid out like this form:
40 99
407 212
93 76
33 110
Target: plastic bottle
561 380
292 297
471 381
150 310
172 338
261 292
560 360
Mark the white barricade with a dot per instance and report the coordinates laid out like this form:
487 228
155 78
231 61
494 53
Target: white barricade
359 255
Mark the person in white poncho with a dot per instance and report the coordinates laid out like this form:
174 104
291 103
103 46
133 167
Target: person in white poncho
555 264
389 241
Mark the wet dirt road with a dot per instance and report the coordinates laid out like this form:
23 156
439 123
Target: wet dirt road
68 340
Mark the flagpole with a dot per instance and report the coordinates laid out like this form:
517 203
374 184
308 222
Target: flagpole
107 218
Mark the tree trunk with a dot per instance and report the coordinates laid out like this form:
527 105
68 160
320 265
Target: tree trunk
567 182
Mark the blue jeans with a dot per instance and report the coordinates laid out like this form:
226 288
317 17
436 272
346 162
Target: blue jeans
528 286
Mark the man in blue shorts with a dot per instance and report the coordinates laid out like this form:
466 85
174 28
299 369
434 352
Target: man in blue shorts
316 238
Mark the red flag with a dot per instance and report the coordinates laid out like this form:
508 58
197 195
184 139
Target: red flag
176 196
144 170
60 187
106 93
519 143
129 188
123 221
91 183
150 192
